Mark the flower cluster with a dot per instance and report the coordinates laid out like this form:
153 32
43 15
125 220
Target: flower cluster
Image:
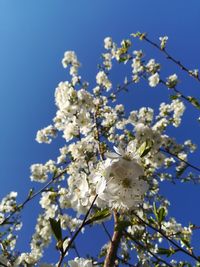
74 108
45 135
70 58
120 183
8 203
39 172
86 179
80 262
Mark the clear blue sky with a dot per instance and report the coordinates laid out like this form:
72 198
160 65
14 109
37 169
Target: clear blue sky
33 37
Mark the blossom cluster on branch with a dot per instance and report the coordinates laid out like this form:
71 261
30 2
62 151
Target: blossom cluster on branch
110 166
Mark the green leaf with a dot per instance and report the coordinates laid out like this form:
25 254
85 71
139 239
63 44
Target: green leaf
56 229
123 59
144 149
155 211
165 251
161 214
99 215
173 97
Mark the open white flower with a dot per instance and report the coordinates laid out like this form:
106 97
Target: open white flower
119 181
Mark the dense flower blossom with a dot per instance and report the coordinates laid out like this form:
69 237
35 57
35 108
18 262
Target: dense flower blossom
177 107
8 203
92 182
152 66
120 181
45 135
102 79
80 262
70 58
39 172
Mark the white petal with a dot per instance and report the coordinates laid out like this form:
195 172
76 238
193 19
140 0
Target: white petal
111 155
101 186
119 150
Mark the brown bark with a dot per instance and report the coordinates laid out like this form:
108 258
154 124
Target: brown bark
111 257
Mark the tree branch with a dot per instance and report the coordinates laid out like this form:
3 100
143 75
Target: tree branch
63 253
167 238
146 248
168 56
114 244
186 162
30 197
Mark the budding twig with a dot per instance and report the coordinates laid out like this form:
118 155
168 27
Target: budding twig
168 56
167 238
63 253
146 248
30 197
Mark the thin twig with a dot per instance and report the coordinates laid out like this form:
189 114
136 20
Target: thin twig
146 248
30 197
63 253
106 231
176 156
179 93
74 245
168 56
69 230
167 238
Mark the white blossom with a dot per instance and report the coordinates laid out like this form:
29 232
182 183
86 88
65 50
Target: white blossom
152 66
8 203
119 182
172 81
108 43
126 180
102 79
163 42
107 60
70 58
45 135
64 95
38 173
80 262
154 80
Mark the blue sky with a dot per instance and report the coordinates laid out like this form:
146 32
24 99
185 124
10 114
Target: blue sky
34 36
